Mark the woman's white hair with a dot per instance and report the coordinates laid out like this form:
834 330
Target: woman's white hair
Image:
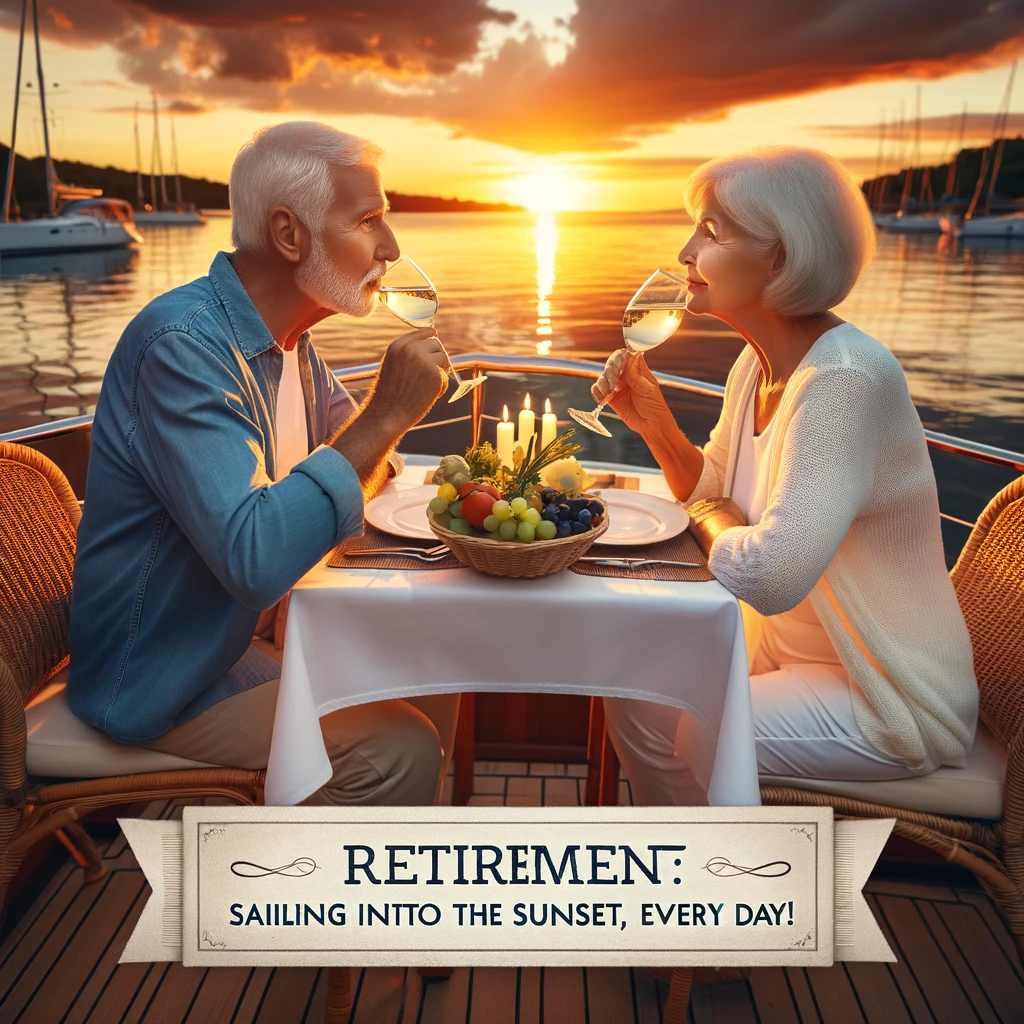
803 198
290 164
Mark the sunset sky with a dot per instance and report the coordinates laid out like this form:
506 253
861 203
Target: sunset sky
564 104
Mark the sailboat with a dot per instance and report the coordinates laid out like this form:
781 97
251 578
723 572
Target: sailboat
989 225
85 220
161 211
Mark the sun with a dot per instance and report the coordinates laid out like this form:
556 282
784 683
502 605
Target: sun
544 190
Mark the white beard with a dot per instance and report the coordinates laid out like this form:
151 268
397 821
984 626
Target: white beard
318 279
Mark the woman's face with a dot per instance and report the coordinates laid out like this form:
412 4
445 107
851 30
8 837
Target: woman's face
726 271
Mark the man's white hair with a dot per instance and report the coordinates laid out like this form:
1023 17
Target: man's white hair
807 200
290 164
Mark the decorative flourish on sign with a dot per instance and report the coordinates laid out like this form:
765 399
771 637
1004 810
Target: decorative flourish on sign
724 868
803 832
299 868
216 944
800 943
213 832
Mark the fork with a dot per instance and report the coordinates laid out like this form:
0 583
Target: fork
415 556
436 550
640 563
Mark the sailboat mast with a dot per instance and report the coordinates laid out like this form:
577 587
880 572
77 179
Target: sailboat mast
9 183
174 153
950 188
42 102
1001 121
139 201
152 161
159 156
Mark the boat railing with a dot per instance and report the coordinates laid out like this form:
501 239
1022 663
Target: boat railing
474 364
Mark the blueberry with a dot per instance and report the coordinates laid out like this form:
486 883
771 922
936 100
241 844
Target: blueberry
564 512
577 504
595 508
577 528
547 495
550 513
563 528
585 518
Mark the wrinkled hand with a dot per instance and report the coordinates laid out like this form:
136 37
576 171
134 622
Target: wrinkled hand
412 376
710 517
632 392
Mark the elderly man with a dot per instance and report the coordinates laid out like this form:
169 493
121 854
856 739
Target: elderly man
226 461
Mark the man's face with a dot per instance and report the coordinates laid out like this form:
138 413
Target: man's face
346 260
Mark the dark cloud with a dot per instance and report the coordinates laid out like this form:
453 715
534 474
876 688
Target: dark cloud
634 68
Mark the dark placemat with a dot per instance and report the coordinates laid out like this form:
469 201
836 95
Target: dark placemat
374 538
679 549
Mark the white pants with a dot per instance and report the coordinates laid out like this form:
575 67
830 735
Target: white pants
803 726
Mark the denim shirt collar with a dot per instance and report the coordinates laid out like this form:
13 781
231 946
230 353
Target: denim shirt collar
250 331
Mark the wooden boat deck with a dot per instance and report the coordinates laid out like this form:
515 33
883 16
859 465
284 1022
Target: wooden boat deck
59 964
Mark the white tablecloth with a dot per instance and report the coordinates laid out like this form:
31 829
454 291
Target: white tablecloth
360 635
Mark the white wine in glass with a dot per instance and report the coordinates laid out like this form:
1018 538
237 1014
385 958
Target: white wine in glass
408 293
651 317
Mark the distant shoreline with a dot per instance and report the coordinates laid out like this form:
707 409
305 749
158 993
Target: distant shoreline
30 189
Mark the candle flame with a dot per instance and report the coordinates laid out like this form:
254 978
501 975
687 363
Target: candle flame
504 413
547 405
526 404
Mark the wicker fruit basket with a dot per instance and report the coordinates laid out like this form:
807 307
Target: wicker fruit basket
511 558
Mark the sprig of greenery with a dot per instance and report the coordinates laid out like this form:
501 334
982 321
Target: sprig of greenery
484 463
528 471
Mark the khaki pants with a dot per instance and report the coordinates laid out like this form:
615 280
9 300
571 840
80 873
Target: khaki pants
391 752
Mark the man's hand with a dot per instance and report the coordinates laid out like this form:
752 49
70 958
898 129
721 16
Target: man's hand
412 377
633 393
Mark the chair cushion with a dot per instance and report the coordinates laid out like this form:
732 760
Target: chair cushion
59 744
972 792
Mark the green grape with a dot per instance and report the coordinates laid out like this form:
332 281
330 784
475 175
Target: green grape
507 530
491 523
526 532
460 526
495 535
438 505
502 510
546 530
519 505
531 516
456 509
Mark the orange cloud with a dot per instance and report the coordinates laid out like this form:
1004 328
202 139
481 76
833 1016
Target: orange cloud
633 68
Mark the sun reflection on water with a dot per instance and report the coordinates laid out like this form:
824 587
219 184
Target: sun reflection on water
545 233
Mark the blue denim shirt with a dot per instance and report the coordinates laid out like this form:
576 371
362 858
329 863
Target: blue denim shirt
184 537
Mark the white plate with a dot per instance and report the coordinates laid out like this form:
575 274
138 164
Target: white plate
402 513
636 518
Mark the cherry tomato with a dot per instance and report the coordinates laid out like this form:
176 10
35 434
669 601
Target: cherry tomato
471 487
476 507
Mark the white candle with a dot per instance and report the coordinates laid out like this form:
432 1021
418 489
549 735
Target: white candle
527 427
506 439
548 425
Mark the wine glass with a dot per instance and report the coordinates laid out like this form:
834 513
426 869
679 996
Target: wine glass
408 293
651 317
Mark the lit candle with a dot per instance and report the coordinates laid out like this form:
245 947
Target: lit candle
506 439
527 426
548 425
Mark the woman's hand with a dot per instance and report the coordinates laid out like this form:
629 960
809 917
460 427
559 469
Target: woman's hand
632 392
710 517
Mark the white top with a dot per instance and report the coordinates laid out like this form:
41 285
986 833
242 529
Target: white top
292 439
852 519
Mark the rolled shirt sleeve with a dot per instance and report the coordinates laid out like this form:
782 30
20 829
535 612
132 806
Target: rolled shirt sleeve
199 447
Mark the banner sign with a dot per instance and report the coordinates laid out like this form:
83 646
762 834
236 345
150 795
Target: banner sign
507 886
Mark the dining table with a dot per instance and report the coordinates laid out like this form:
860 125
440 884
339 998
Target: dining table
357 634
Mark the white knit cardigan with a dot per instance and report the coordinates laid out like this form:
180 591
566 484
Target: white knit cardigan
853 520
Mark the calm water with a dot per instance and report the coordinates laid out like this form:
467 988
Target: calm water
512 283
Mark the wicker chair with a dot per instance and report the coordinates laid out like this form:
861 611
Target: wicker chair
989 582
39 516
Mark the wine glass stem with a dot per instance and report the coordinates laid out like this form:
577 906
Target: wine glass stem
451 368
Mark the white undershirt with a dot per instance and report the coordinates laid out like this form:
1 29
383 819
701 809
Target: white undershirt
796 636
292 441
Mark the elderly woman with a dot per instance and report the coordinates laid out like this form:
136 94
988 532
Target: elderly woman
814 496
